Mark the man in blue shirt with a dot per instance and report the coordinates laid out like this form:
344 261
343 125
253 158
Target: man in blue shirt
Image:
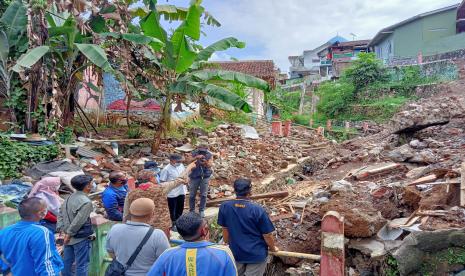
27 248
247 229
197 256
199 178
114 195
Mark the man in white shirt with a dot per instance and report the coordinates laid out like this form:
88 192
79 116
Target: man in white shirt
176 196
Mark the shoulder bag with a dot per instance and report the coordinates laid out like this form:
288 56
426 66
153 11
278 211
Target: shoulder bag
116 268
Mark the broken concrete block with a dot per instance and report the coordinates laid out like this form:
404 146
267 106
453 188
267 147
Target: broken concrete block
416 144
424 157
401 154
341 186
416 173
370 247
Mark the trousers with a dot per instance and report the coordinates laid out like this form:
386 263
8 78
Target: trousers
194 185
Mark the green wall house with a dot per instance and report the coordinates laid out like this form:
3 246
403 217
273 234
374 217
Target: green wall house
430 33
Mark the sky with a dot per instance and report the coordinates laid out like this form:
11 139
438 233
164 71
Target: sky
276 29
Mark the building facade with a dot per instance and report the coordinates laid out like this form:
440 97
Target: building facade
428 33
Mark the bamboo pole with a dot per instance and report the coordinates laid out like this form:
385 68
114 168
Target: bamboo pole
462 185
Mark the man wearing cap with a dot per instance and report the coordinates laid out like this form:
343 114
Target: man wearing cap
197 256
176 196
199 177
153 166
247 229
123 239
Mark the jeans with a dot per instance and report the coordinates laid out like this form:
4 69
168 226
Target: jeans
251 269
176 206
194 185
79 252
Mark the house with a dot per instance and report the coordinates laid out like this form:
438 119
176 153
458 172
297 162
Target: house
343 53
429 33
263 69
310 63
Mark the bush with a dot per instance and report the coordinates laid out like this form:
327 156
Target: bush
134 132
366 70
335 98
16 156
301 119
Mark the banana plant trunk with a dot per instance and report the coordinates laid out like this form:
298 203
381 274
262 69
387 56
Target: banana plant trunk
164 124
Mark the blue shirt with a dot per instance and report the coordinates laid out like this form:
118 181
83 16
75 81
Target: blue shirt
200 258
247 222
113 201
200 171
29 249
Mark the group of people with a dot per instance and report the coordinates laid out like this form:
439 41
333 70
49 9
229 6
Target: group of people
139 245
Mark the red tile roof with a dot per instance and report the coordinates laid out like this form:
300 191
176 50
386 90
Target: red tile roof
355 43
256 68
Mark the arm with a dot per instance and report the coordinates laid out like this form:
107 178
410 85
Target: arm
109 246
126 209
42 246
111 207
164 175
161 244
170 185
81 217
225 235
269 239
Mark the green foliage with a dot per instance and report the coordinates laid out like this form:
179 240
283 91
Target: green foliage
201 123
391 266
237 117
335 98
16 156
134 132
366 70
66 136
301 119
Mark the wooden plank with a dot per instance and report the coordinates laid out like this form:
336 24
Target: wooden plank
425 179
279 194
296 255
462 185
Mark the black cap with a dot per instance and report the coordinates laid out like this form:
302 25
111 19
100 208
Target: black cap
242 186
175 157
150 165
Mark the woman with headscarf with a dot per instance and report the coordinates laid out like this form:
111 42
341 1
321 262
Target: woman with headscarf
47 189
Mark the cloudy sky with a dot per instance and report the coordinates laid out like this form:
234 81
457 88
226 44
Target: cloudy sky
276 29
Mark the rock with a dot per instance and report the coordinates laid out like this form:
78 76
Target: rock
424 157
370 247
361 219
416 173
416 144
341 186
284 165
401 154
411 197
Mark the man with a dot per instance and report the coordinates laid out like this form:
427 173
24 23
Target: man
74 222
114 195
197 256
157 193
153 166
247 229
123 239
199 178
26 248
176 196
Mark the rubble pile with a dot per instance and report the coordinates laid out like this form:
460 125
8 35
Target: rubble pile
401 180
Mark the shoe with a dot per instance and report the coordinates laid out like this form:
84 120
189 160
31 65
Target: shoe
202 214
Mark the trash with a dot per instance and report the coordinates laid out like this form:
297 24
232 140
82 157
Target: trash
249 132
12 194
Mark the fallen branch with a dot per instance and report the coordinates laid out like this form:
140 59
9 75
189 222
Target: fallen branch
296 255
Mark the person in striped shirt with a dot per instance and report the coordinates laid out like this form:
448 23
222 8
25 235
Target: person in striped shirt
197 256
26 247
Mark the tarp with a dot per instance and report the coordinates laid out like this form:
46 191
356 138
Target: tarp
12 194
44 168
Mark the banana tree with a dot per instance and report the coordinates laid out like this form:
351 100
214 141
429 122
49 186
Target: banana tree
183 66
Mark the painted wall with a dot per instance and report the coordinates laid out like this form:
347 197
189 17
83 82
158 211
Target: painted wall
412 38
385 49
431 35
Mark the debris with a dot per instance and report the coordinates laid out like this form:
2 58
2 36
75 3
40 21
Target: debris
424 179
279 194
341 186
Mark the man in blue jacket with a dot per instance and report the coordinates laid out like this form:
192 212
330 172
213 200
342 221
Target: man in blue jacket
197 256
27 248
114 195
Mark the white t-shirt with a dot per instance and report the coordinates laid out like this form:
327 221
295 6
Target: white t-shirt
170 173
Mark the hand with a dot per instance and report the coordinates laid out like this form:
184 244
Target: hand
274 249
66 239
198 157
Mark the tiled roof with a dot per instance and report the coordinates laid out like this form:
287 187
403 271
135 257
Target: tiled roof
256 68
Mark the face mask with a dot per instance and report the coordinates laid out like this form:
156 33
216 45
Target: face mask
177 164
42 214
124 182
